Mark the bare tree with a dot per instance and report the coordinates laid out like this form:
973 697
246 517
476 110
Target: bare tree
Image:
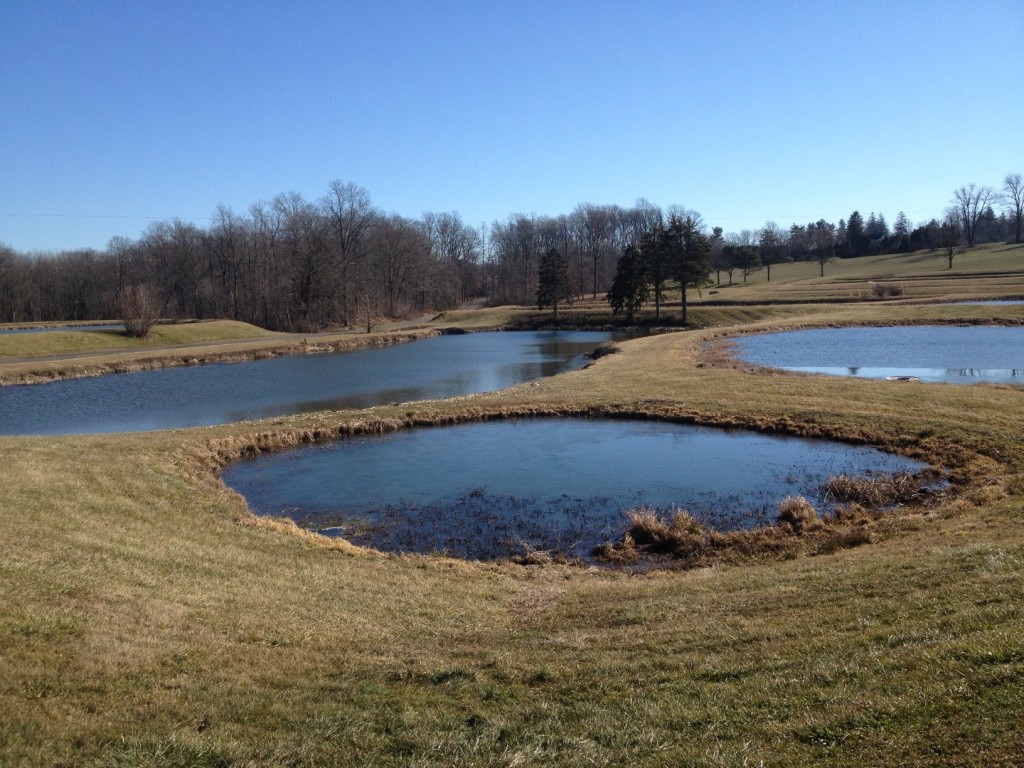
456 248
350 214
970 203
823 243
772 247
637 221
951 235
223 243
398 254
514 250
307 260
264 265
596 226
1013 198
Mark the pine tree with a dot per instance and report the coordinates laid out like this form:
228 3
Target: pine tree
629 289
655 258
553 281
687 248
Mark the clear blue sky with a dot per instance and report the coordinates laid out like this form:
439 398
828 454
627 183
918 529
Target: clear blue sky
112 112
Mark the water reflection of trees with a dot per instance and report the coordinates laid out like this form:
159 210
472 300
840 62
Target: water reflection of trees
985 373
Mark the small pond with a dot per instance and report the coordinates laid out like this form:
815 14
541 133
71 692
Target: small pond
480 490
443 366
952 354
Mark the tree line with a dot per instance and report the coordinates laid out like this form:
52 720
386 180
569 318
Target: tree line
303 265
290 264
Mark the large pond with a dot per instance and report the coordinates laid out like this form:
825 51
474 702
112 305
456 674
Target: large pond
437 367
953 354
488 490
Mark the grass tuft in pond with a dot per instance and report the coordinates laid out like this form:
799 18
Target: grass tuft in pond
873 491
799 514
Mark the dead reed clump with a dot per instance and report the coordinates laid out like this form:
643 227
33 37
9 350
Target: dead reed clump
852 513
623 553
881 491
799 514
680 536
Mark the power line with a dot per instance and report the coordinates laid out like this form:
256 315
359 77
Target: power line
105 216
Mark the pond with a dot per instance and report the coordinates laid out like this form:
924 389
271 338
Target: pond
482 490
437 367
993 302
954 354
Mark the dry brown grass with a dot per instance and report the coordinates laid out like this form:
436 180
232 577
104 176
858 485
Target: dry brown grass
676 540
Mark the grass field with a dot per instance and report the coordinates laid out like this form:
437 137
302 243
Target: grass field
990 271
147 619
72 341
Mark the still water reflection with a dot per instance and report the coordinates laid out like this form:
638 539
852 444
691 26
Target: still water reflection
437 367
952 354
482 490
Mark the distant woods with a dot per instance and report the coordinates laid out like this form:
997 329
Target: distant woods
290 264
293 264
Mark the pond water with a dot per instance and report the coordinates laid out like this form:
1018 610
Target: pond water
993 302
480 490
437 367
952 354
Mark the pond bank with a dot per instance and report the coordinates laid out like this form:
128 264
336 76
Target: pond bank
86 365
856 525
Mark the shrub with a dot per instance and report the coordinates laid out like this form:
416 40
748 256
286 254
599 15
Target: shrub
884 290
138 309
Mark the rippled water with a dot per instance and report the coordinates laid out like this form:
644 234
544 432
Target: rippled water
954 354
431 368
481 490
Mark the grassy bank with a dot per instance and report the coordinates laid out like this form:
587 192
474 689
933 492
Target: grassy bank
217 341
71 341
146 619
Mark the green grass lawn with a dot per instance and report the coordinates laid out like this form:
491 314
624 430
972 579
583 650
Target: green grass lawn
146 619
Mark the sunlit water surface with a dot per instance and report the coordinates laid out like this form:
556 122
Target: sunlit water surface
443 366
955 354
492 489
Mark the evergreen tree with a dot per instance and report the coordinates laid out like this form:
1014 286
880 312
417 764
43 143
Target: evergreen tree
901 232
687 248
656 267
629 289
553 281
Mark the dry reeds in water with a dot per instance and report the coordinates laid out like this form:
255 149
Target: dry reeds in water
881 491
680 534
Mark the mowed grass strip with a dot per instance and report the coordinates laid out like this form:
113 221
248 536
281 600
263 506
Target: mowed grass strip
70 341
143 622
